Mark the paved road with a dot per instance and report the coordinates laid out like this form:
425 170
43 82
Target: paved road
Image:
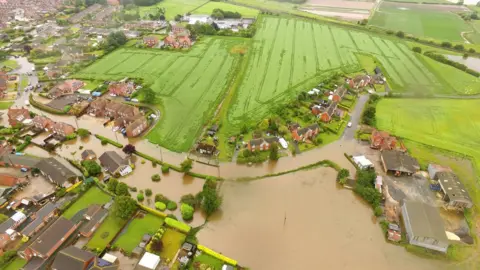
355 115
25 67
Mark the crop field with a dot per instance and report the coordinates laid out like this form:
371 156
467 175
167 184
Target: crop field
289 56
190 83
172 7
210 6
433 21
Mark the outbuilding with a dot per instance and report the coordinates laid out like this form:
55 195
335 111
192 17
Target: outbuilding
149 261
362 162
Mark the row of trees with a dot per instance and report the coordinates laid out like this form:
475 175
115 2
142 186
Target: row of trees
369 113
213 29
223 14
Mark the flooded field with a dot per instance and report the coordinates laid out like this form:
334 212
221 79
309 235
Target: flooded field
303 221
470 62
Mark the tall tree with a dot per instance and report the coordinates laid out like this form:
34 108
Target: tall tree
124 207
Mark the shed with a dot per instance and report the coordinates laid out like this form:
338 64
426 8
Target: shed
148 261
109 258
362 162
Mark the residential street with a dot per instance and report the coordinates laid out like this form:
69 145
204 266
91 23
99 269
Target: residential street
355 115
25 67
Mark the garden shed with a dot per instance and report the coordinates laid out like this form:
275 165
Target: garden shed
148 261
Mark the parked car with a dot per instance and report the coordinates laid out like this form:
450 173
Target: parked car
349 124
134 100
24 170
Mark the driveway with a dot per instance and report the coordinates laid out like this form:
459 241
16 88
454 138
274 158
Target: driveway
355 115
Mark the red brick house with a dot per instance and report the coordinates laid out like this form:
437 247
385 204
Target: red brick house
7 180
326 116
176 42
137 127
382 140
63 129
43 123
121 89
150 41
305 133
359 81
179 30
338 94
3 84
65 88
116 109
97 107
262 144
40 219
16 116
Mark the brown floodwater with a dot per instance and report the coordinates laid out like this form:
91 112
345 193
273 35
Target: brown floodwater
303 221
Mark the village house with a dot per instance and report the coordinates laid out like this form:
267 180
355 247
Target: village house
146 25
338 94
73 258
3 84
43 123
63 129
40 219
50 240
97 107
115 164
305 133
177 41
150 41
6 239
65 88
88 155
360 81
124 89
327 114
382 140
17 116
57 172
424 226
206 149
116 109
399 163
454 193
137 126
95 216
261 144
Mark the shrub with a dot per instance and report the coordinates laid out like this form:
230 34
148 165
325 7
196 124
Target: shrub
343 173
187 211
160 206
177 225
471 50
148 192
171 205
165 168
400 34
186 165
188 199
104 142
172 216
140 197
83 133
133 189
417 49
378 211
156 178
390 32
459 47
161 198
446 44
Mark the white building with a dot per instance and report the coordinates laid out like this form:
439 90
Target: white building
200 18
148 261
362 162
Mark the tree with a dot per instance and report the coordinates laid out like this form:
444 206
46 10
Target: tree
178 17
264 124
244 129
112 185
274 151
83 133
342 174
116 39
140 197
189 199
211 201
149 96
459 47
148 192
187 211
417 49
186 165
28 138
92 167
122 189
446 44
129 149
156 245
124 207
400 34
156 177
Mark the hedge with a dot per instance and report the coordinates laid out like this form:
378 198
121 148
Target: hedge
441 58
217 255
114 143
152 159
152 211
44 107
178 225
22 146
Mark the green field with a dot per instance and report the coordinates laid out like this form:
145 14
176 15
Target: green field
208 8
106 232
421 21
93 196
12 64
190 83
173 7
134 232
422 1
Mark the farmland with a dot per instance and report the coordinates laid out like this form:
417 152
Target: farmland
190 83
210 6
433 21
172 7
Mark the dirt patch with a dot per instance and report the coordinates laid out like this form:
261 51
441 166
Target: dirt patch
340 4
348 16
406 6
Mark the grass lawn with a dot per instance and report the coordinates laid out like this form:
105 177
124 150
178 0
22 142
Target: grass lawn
136 229
172 7
15 264
210 6
106 232
10 64
46 60
172 241
93 196
421 21
90 85
212 262
5 105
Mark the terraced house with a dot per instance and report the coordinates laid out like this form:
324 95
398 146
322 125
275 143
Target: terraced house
261 144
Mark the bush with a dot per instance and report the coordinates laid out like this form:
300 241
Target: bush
148 192
178 225
172 216
156 178
165 168
446 44
140 197
160 206
188 199
186 165
441 58
343 173
104 142
417 49
400 34
83 133
471 50
378 211
187 211
160 198
459 47
171 205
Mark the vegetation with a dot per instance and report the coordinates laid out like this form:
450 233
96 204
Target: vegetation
365 187
93 196
178 225
156 177
106 232
129 149
187 211
83 133
107 140
140 197
139 226
148 192
160 206
441 58
186 165
92 167
124 207
171 205
122 189
172 241
165 168
211 6
368 114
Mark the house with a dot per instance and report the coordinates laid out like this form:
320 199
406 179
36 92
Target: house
206 149
105 263
398 162
65 88
43 123
177 41
123 89
200 18
88 155
73 258
213 130
382 140
17 116
63 129
136 127
433 169
57 172
424 226
393 233
362 162
40 219
95 216
97 107
179 30
3 84
150 41
13 222
359 81
379 183
305 133
6 238
50 240
326 115
262 144
149 261
338 94
114 163
116 109
454 193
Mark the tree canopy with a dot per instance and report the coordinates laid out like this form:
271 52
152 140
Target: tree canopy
124 207
92 167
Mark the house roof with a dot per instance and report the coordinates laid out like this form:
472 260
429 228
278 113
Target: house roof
112 160
452 186
28 161
56 170
7 224
72 258
58 232
256 141
206 147
399 161
46 210
92 209
87 153
101 264
425 220
341 91
138 122
149 261
96 218
271 139
331 108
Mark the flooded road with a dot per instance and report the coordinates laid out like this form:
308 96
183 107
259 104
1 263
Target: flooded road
303 221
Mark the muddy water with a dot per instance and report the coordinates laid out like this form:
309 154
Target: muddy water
303 221
470 62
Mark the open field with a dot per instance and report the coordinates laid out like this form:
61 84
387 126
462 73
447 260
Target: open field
422 1
190 83
210 6
172 7
93 196
136 229
433 21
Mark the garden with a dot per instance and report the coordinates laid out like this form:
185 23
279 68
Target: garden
106 232
93 196
172 241
133 233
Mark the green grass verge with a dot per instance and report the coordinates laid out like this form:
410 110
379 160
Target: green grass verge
212 262
93 196
112 142
5 105
12 64
134 232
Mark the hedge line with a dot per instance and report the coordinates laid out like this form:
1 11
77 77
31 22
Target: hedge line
217 255
178 225
152 211
445 60
114 143
43 107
